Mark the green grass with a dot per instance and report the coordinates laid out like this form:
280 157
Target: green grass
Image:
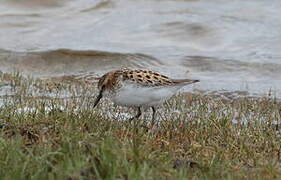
52 132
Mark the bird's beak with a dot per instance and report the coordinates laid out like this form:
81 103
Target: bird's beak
98 98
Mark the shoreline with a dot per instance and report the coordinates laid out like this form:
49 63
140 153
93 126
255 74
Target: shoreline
195 137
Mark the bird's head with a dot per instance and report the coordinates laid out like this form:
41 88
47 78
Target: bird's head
107 82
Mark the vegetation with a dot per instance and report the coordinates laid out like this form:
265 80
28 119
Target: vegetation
50 131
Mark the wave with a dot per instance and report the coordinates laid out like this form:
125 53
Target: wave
67 61
211 64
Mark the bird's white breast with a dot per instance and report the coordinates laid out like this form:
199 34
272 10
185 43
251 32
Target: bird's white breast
132 94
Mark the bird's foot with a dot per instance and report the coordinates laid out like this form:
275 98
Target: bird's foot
2 125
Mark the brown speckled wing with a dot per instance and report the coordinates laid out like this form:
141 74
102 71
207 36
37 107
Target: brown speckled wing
148 78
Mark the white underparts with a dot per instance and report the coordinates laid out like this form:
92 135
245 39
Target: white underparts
132 94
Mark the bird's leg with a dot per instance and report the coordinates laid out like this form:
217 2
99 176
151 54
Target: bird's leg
153 114
136 116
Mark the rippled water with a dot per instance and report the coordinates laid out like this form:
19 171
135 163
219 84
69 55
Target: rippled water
230 45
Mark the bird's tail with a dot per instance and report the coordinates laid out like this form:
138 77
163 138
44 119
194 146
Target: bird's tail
185 81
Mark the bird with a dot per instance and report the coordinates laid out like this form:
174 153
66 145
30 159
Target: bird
138 88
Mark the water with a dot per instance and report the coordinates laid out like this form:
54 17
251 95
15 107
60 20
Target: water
228 45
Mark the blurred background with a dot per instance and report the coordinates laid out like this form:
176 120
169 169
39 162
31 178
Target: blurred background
228 45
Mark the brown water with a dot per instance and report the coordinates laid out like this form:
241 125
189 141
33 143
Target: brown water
230 45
